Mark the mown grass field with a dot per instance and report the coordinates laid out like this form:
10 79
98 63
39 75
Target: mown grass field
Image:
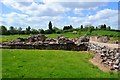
105 33
18 63
12 37
21 63
70 35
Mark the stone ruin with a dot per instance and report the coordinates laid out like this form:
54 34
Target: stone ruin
42 42
103 39
107 56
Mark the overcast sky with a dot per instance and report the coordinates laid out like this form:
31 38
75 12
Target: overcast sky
37 13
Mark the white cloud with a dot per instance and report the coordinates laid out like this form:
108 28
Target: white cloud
37 9
22 20
106 16
78 11
49 8
103 14
78 0
82 5
38 15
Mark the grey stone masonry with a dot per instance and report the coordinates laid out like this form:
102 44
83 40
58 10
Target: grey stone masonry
108 56
42 42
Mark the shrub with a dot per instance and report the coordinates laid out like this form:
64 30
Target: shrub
48 31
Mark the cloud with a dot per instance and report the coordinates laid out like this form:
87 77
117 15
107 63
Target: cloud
22 20
37 15
37 9
78 1
82 5
106 16
103 14
49 8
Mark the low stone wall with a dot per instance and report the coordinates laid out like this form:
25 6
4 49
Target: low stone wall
42 42
110 57
74 47
103 39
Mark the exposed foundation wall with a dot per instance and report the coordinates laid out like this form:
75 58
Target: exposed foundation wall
108 56
74 47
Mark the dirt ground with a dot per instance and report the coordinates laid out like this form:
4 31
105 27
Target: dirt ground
97 62
106 44
96 59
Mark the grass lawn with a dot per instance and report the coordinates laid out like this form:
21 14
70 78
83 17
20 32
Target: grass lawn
69 34
105 33
18 63
12 37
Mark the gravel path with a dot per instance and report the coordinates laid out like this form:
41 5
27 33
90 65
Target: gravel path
106 44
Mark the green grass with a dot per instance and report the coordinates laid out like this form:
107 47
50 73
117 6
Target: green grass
69 34
106 33
18 63
11 37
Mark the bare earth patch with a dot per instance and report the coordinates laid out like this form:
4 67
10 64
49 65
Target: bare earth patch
97 62
112 46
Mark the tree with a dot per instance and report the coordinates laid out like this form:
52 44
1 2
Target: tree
81 26
3 30
108 28
85 28
67 27
48 31
71 27
96 27
57 30
28 30
34 31
41 31
19 30
103 27
91 28
12 30
50 25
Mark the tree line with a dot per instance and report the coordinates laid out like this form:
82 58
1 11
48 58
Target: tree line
12 30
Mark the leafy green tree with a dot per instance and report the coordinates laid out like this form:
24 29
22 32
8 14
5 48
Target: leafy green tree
19 30
3 30
91 28
48 31
96 28
103 27
108 28
34 31
81 26
85 28
57 30
41 31
50 25
12 30
71 27
28 30
67 27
